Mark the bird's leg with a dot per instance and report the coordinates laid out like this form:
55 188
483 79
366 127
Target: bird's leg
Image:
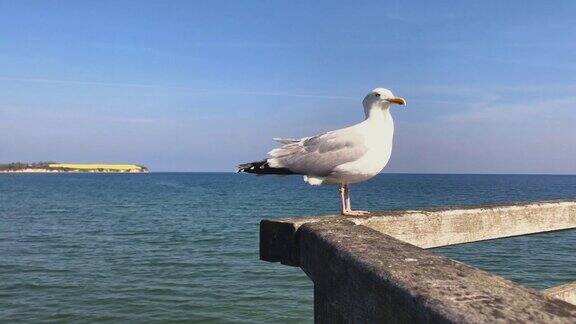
348 206
347 210
343 206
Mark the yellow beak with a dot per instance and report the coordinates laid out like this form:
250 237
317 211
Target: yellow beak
398 100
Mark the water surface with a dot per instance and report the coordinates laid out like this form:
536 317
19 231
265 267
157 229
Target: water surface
169 247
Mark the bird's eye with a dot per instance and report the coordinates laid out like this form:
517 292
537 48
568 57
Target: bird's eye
377 94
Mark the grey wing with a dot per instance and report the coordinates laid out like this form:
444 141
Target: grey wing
319 155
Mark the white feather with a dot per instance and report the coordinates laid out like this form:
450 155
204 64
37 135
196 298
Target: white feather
346 155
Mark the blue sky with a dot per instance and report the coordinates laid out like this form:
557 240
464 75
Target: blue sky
203 85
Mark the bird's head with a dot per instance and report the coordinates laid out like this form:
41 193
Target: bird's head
382 98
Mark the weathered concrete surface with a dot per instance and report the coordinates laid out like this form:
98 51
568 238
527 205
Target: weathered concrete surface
363 276
430 227
279 239
565 292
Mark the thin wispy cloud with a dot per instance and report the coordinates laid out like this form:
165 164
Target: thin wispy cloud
89 83
191 90
514 112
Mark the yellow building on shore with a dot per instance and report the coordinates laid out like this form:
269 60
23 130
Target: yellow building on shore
99 167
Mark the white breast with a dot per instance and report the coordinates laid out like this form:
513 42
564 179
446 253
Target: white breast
378 134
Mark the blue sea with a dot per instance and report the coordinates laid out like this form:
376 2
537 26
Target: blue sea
183 247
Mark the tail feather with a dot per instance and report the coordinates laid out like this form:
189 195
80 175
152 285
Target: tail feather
262 167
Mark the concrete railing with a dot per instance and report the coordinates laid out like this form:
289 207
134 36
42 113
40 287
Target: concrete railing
566 292
375 270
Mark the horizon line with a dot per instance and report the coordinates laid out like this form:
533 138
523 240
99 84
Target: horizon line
395 173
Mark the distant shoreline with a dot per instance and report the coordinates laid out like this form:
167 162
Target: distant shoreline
68 171
54 167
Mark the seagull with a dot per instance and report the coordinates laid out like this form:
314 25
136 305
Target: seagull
341 157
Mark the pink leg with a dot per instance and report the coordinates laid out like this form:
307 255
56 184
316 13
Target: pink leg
343 206
347 208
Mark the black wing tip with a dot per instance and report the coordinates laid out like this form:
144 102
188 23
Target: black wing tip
251 167
261 168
